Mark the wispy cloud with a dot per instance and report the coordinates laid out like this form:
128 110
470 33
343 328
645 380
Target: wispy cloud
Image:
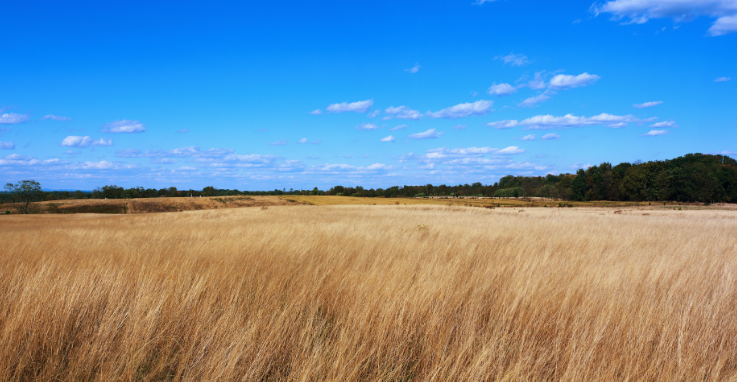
532 101
357 107
374 114
278 143
459 127
56 117
540 122
723 79
528 137
640 11
429 134
551 136
670 123
478 108
647 104
123 126
129 153
77 141
653 133
514 59
414 69
367 126
400 127
315 142
402 112
12 118
7 145
388 139
564 81
316 112
501 89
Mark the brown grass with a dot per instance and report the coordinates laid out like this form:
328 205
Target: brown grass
376 293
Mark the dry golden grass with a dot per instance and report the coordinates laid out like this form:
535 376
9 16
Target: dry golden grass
148 205
376 293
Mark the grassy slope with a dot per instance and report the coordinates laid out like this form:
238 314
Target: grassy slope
535 202
369 293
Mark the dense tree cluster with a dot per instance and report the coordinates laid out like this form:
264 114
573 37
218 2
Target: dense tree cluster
690 178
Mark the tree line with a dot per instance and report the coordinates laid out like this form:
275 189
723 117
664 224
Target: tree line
691 178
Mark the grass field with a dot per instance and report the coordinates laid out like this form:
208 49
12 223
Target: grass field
379 293
322 200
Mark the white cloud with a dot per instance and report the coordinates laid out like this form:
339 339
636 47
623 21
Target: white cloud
278 143
164 160
532 101
581 165
429 134
367 126
374 114
511 150
550 136
670 123
388 139
640 11
400 127
653 133
723 79
482 2
12 118
56 117
358 107
22 160
403 112
647 104
617 125
7 145
564 81
77 141
414 69
506 124
529 137
478 108
315 142
459 127
316 112
514 59
541 122
501 89
124 126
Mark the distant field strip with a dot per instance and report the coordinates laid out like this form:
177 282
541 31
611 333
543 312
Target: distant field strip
374 293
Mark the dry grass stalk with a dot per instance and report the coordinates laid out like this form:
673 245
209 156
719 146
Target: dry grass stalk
369 293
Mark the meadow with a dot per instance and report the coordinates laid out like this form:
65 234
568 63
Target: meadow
370 292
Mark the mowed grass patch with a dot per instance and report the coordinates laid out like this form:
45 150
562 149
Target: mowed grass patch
369 293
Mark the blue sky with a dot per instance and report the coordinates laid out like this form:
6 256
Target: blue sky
264 95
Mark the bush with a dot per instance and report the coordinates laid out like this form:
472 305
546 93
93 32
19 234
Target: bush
7 212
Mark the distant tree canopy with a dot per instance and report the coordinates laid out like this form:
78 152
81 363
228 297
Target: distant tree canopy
690 178
23 193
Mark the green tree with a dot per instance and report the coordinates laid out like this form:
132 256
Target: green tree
208 191
578 185
23 193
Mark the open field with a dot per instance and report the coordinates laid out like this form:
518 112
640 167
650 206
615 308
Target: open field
148 205
375 293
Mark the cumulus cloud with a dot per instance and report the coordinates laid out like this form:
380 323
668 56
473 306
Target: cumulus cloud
722 79
564 81
358 107
501 89
123 126
367 126
478 108
529 137
129 153
550 136
400 127
77 141
414 69
429 134
514 59
647 104
56 117
402 112
7 146
670 123
12 118
640 11
541 122
653 133
278 143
